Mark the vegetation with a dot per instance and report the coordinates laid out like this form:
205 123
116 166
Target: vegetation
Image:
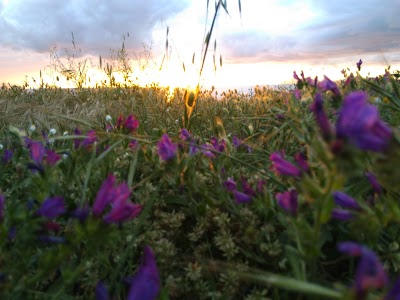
127 192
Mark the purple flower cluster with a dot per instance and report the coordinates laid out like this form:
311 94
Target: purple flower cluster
130 124
283 167
358 123
166 148
40 155
370 274
246 194
288 201
118 198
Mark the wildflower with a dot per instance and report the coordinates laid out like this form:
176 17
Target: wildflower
101 291
288 201
317 107
359 64
282 166
297 94
120 121
133 144
51 239
2 203
81 213
1 146
52 157
359 122
218 145
369 273
394 292
301 161
295 76
77 142
230 184
37 152
104 195
90 139
341 214
131 123
241 197
146 284
247 189
52 207
184 135
7 156
374 183
52 131
329 85
32 128
108 118
236 142
121 208
166 149
345 201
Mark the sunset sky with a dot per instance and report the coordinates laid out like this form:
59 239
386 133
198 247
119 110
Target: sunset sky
270 40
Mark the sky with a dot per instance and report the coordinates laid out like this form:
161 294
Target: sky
262 45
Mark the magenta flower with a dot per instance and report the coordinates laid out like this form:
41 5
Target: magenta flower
146 284
90 139
8 154
301 161
369 273
166 149
121 208
394 292
104 196
52 207
297 94
2 204
359 123
288 201
282 166
317 107
52 157
37 152
329 85
131 123
77 142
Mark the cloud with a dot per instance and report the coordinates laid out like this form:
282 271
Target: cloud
97 25
288 31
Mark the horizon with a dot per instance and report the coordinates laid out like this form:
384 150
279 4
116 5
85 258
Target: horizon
262 45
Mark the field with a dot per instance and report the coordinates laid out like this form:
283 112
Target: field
129 193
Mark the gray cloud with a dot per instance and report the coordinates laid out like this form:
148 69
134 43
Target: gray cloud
98 25
341 29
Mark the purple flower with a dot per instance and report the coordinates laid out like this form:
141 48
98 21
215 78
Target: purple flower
317 107
146 284
359 122
52 157
369 273
184 135
345 201
236 142
101 291
218 145
81 213
51 239
131 123
295 76
359 64
2 203
288 201
297 94
241 197
133 144
37 152
329 85
394 292
230 184
374 183
166 149
282 166
301 161
341 214
52 207
121 208
7 156
247 189
90 139
104 196
77 142
260 185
